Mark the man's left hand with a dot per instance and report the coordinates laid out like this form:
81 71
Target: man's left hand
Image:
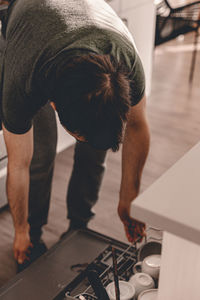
134 229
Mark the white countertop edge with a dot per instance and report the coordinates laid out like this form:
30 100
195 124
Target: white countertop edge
165 223
174 185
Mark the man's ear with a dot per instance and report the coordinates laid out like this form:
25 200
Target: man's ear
53 105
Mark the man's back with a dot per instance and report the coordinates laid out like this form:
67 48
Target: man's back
38 32
49 20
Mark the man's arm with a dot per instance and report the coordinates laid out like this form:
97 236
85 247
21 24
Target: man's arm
20 151
134 154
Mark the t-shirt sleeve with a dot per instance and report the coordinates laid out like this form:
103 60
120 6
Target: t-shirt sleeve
16 115
137 81
20 97
16 108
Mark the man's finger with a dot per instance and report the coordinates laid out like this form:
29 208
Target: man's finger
20 260
22 257
140 230
135 236
29 248
30 245
131 236
16 253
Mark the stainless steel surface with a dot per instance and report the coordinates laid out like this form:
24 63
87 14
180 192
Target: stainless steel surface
53 272
62 272
64 268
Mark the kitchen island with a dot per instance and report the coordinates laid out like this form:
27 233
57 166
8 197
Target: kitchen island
172 204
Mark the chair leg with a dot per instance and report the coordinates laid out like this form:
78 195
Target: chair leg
194 55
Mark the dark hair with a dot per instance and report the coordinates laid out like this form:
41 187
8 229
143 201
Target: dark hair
92 99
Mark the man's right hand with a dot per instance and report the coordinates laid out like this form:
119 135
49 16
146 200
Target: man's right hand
20 151
22 245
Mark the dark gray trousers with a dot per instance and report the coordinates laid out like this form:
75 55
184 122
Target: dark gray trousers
85 181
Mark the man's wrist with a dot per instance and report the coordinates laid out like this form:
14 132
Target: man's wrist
22 229
128 197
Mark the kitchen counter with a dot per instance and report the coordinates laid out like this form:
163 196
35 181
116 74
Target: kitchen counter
172 204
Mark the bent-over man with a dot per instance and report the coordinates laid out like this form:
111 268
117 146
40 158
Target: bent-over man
77 57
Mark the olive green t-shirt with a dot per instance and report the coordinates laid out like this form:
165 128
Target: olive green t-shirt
38 33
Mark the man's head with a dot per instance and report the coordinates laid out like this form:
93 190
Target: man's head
92 98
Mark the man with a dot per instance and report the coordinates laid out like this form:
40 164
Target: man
78 56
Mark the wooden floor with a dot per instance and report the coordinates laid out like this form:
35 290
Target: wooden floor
174 117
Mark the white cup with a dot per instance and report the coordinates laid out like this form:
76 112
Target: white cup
141 282
150 265
127 290
151 294
149 248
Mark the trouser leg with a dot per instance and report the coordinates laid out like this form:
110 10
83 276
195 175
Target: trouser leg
41 170
2 48
85 182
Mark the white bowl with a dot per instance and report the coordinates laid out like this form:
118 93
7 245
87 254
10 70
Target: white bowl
150 265
141 282
127 290
151 294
